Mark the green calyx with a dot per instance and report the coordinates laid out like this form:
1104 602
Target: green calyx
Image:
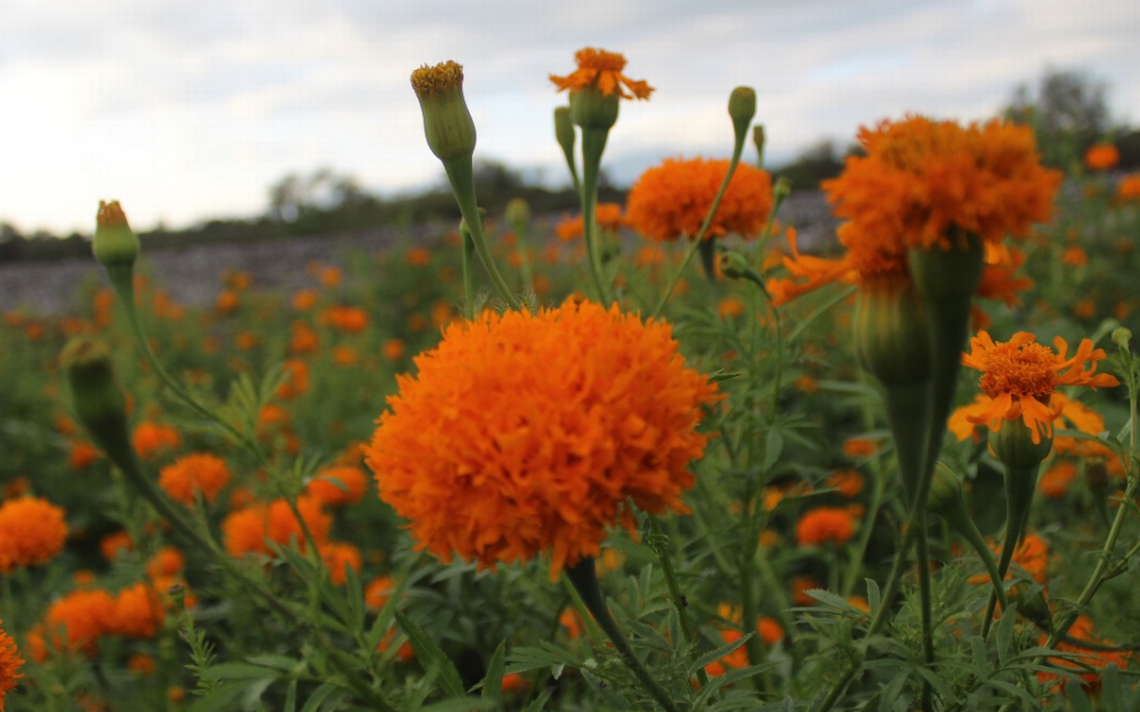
591 109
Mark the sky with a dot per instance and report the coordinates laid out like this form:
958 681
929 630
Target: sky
187 110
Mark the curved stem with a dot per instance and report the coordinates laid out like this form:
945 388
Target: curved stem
585 581
593 143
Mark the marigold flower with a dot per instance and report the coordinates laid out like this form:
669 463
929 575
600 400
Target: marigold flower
602 70
492 460
296 379
1129 188
608 215
1074 257
82 454
194 473
671 200
1054 484
336 555
304 339
138 612
378 591
305 299
419 256
1102 157
848 482
1020 377
115 543
32 531
10 664
824 524
165 563
860 447
80 618
337 486
153 439
1083 630
350 320
247 530
394 349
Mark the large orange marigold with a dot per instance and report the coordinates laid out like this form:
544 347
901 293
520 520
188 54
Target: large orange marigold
671 200
525 433
32 531
10 664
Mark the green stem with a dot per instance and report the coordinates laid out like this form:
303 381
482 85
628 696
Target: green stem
658 543
585 581
1019 494
927 606
465 266
460 175
593 144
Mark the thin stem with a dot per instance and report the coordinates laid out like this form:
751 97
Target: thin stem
585 581
593 143
465 266
926 605
459 174
659 545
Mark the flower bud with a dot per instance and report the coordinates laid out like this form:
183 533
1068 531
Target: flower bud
115 242
1013 444
733 265
99 404
1121 337
518 215
742 109
891 338
564 129
448 125
758 139
950 275
782 189
946 498
591 109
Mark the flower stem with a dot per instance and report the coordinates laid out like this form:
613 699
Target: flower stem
593 144
585 581
658 543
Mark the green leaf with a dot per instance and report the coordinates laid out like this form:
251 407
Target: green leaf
431 656
773 447
319 695
493 680
713 656
874 596
892 691
1003 635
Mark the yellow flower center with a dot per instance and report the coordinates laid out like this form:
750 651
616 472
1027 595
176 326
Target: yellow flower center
1028 369
442 77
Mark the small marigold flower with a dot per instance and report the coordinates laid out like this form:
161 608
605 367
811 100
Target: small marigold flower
671 200
82 454
337 486
191 474
1102 157
116 543
602 70
1074 257
1129 188
378 591
246 531
394 349
305 299
1083 631
165 563
419 257
848 482
860 447
154 439
138 612
10 664
1054 484
825 524
336 555
1021 377
32 532
296 380
608 215
350 320
75 622
492 460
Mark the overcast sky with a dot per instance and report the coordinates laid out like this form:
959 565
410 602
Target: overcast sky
190 109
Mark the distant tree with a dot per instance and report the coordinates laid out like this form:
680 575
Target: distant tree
818 163
294 197
1068 112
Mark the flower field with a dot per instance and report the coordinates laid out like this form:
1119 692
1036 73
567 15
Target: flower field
651 456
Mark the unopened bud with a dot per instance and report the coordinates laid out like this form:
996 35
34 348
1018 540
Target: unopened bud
733 265
758 139
115 242
518 215
1121 337
448 125
564 129
99 403
742 109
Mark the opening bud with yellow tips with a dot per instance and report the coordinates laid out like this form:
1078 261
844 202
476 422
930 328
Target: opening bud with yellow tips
448 124
115 242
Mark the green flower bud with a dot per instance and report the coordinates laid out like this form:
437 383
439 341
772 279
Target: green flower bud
758 139
782 189
99 403
1121 337
946 498
115 243
564 129
591 109
448 125
1012 443
733 265
518 215
742 109
950 275
891 337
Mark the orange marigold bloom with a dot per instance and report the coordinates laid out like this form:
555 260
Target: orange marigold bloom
378 591
82 454
165 563
1083 630
394 349
138 612
304 339
10 664
1129 188
848 482
419 257
80 618
194 473
336 555
491 459
1074 256
608 215
1055 482
602 70
153 439
296 379
834 524
1021 377
860 447
922 179
247 530
1101 157
671 200
114 543
350 320
32 531
337 486
227 301
305 299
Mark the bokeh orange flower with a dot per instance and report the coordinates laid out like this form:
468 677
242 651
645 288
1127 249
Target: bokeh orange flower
32 531
74 622
154 439
491 459
1129 188
1101 157
336 555
10 664
602 70
670 201
1020 377
608 215
137 613
247 531
350 320
825 524
199 472
337 486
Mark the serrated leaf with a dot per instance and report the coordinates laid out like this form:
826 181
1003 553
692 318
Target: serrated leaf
493 680
432 657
